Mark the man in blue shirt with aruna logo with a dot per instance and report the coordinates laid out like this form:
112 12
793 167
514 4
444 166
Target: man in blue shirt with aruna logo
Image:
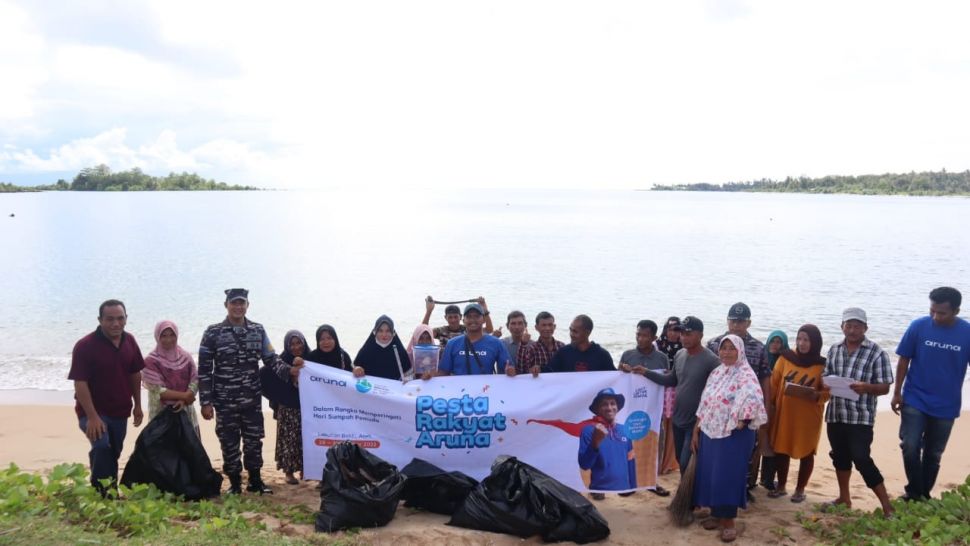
933 358
474 353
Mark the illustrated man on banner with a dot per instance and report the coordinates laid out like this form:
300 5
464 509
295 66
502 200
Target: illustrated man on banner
605 447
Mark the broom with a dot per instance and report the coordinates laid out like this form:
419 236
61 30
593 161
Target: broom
682 507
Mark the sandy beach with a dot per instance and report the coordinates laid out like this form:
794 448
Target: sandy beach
39 430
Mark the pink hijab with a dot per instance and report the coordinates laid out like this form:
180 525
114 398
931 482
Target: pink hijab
173 369
421 328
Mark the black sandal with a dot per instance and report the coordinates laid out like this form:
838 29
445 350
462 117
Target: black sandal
660 491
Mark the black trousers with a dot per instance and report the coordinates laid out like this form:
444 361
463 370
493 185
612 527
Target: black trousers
851 445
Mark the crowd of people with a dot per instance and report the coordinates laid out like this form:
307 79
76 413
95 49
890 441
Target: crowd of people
740 406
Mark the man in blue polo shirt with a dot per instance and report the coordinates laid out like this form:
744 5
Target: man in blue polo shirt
933 358
474 353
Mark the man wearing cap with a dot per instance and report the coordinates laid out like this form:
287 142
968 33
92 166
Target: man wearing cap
474 353
106 369
933 358
229 387
605 448
738 322
692 365
581 355
849 423
453 318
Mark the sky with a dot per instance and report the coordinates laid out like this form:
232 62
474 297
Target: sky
497 94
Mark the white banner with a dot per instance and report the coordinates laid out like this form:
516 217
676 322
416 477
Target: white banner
464 422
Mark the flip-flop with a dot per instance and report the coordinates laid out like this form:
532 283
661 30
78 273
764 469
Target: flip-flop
777 494
660 492
711 524
729 534
798 497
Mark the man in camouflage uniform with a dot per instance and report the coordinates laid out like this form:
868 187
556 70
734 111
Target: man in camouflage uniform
229 384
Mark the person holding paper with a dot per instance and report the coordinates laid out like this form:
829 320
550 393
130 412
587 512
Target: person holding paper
796 425
849 423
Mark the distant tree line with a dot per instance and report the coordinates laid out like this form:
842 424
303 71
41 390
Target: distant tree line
925 183
101 178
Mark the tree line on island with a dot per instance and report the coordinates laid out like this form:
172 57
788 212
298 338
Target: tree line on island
913 183
101 178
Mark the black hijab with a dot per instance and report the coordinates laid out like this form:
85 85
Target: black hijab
814 356
337 358
275 389
383 361
666 346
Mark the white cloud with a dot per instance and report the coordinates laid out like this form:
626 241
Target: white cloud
547 93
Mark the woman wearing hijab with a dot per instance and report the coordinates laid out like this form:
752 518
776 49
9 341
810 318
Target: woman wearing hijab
289 430
731 410
669 343
776 343
170 375
328 351
383 354
796 420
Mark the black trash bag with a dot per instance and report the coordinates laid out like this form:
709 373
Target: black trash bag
433 489
518 499
359 489
169 454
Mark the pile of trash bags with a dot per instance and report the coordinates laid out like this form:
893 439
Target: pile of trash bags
359 489
518 499
169 454
362 490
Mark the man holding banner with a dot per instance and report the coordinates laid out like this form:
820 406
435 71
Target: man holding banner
474 353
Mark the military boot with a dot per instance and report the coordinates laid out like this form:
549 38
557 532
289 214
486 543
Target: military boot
235 484
256 484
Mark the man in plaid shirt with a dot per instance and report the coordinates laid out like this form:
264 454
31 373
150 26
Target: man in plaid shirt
535 356
850 422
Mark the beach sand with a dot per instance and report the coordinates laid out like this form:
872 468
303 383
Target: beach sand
39 430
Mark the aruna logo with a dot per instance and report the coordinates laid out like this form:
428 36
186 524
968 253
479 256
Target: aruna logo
946 346
364 386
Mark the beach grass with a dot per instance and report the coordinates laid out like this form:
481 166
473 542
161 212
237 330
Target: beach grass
62 508
945 520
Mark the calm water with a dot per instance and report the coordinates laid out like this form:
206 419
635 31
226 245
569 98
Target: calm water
346 257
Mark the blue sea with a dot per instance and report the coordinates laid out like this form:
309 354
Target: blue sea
346 257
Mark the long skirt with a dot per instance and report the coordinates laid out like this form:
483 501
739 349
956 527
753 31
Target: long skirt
722 469
668 451
289 440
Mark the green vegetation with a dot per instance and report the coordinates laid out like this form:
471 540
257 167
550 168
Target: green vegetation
938 521
101 178
925 183
65 509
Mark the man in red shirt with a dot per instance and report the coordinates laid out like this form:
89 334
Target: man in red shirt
106 369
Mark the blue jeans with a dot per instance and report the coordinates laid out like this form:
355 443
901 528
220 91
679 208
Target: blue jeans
106 450
922 439
682 437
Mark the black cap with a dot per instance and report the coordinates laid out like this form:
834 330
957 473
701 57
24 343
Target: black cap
691 324
673 323
739 311
474 307
237 294
452 310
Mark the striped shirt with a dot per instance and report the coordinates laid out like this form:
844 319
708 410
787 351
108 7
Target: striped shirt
868 364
